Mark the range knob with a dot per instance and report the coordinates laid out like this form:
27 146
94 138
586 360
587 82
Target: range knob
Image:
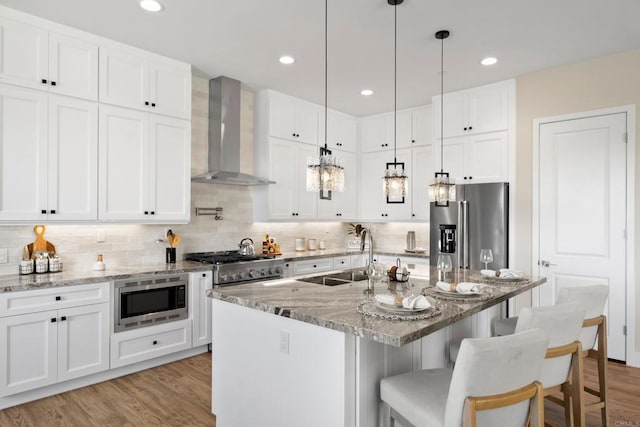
234 276
263 272
278 270
253 273
224 278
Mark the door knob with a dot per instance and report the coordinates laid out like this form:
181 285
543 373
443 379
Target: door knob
546 264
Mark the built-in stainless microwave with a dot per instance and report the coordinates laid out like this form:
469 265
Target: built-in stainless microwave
150 300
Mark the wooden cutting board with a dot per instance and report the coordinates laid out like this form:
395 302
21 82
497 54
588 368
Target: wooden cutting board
40 245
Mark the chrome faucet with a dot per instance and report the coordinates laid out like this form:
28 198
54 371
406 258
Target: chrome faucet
363 239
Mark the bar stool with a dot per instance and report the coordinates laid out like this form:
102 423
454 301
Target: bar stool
594 330
494 383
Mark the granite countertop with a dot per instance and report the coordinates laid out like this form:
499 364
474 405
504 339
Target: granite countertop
15 282
292 256
335 307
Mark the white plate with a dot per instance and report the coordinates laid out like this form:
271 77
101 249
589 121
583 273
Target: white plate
394 309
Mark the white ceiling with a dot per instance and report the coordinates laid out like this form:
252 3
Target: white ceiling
243 39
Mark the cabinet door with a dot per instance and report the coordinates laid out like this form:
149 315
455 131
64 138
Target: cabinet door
123 159
342 131
376 133
23 126
170 90
399 211
73 67
28 352
83 341
404 135
487 157
282 116
169 169
455 121
371 197
200 306
454 158
124 79
346 203
421 177
23 54
422 126
73 159
306 119
305 202
488 108
281 170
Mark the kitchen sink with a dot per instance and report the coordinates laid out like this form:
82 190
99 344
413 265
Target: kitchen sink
334 279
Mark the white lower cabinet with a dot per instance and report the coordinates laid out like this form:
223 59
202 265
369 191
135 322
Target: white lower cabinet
39 349
200 306
340 262
146 343
312 266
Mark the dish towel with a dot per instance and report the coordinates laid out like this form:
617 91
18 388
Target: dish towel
411 302
464 288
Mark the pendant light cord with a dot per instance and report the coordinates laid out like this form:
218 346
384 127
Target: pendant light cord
395 79
326 19
441 105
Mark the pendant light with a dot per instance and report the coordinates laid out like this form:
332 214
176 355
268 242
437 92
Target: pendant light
325 173
395 182
442 191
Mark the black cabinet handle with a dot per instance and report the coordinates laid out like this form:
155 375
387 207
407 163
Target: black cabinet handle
204 274
53 320
470 127
146 212
58 298
63 318
153 104
153 212
155 342
147 103
413 214
53 83
43 211
53 211
465 128
44 81
413 141
314 266
470 177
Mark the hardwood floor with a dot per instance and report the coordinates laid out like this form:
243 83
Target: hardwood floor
179 394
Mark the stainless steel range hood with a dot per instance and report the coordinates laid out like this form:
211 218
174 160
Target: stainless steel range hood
224 136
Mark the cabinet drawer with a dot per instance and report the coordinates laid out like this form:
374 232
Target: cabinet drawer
150 342
12 303
312 266
342 262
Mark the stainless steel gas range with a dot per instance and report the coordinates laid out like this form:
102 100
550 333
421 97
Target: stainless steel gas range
231 268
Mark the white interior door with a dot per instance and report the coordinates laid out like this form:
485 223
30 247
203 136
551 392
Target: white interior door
582 205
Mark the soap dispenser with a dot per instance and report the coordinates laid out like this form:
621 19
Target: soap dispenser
99 265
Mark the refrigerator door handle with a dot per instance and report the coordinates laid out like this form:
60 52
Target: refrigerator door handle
465 235
461 232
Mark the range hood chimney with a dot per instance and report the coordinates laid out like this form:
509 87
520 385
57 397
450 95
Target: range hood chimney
224 136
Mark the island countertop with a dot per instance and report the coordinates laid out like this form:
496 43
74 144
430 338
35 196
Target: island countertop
335 307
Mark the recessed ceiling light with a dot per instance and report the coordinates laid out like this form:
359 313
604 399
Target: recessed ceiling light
366 92
151 5
490 60
287 60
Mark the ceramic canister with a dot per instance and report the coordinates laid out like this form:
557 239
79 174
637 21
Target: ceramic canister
300 246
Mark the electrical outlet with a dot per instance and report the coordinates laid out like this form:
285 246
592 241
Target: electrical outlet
4 256
284 342
100 236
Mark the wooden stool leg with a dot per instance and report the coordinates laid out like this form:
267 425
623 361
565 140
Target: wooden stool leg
576 386
602 371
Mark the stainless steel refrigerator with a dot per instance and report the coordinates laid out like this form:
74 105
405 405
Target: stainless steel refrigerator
478 219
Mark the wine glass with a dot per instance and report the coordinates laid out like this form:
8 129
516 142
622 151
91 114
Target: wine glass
375 272
444 264
486 256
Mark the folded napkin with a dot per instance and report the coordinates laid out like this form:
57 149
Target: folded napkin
411 302
464 288
503 273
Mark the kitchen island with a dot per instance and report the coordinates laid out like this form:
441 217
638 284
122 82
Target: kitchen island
288 352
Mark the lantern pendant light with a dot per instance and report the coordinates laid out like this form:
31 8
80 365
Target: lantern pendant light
395 182
325 173
442 191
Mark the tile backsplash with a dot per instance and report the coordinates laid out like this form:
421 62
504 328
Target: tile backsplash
126 244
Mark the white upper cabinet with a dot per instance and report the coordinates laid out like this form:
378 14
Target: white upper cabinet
421 176
475 158
131 79
414 127
33 57
24 130
472 111
343 205
144 167
293 119
342 131
376 133
373 204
